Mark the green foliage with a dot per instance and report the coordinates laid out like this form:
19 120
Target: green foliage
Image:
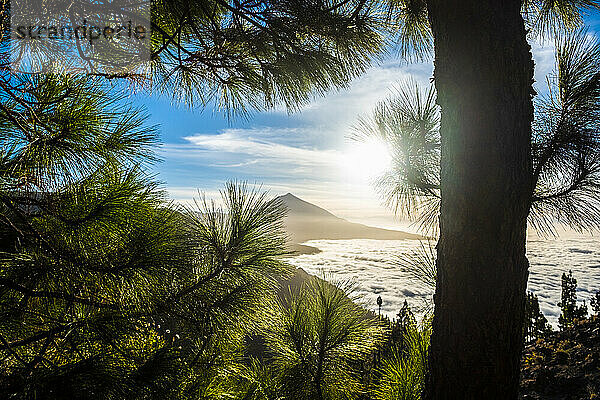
106 290
57 129
238 248
398 331
85 241
570 311
543 19
410 19
402 370
420 264
546 18
566 139
234 55
256 381
261 54
248 55
321 340
535 325
408 122
406 318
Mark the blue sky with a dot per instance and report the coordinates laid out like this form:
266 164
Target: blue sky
307 153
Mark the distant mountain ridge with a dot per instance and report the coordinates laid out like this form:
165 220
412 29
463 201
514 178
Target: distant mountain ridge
306 221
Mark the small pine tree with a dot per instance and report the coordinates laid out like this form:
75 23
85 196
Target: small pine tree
595 303
568 302
402 370
535 325
406 323
320 340
399 330
406 316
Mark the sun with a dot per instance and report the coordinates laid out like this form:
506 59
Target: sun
366 161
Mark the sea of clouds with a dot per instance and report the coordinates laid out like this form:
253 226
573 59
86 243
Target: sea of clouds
372 266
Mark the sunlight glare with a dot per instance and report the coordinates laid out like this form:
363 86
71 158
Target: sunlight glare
365 161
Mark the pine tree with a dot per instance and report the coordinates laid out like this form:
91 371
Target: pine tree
485 108
106 290
321 341
406 316
595 303
485 185
535 326
401 372
85 240
570 311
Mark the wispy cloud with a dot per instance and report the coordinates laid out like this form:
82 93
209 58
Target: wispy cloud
239 142
248 154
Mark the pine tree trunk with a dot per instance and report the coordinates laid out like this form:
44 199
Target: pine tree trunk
483 77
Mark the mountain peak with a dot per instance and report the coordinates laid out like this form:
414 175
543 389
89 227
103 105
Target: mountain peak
296 205
306 221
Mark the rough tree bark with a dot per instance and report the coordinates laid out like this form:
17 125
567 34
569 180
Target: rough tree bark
483 77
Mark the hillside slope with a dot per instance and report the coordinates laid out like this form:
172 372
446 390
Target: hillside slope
565 366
